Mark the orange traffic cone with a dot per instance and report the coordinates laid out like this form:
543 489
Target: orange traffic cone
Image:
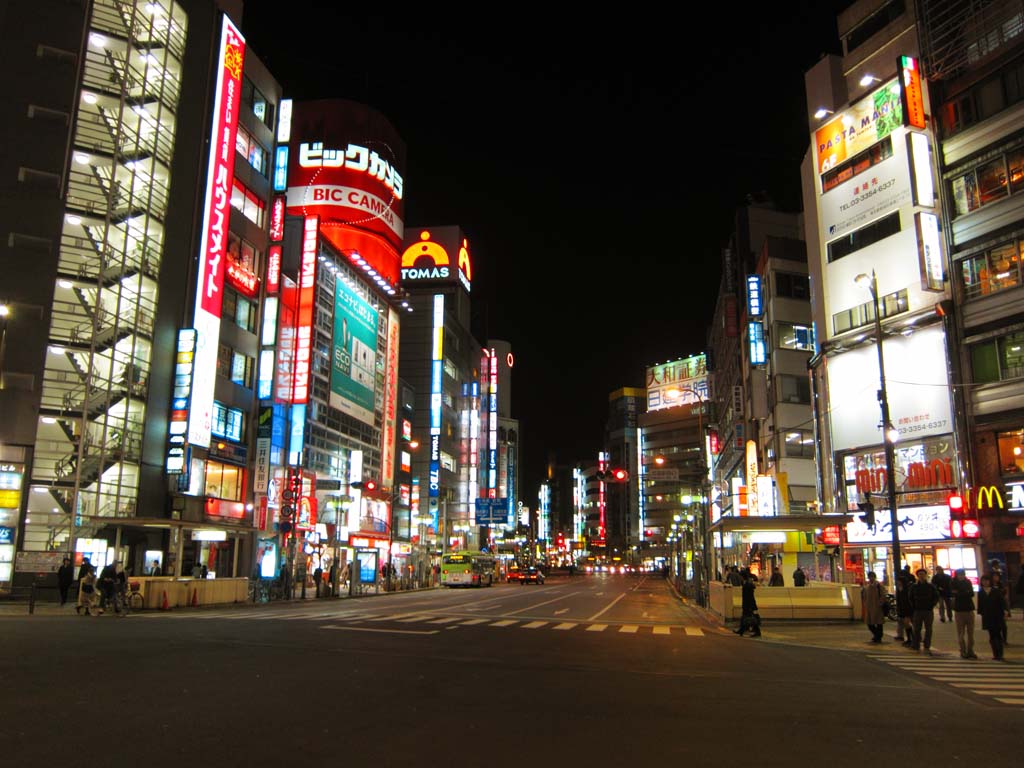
163 604
195 598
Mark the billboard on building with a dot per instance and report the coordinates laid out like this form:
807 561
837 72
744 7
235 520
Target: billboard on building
680 382
437 255
214 238
916 382
855 129
346 164
354 358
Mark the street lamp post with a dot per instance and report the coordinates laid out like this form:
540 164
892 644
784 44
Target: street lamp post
889 434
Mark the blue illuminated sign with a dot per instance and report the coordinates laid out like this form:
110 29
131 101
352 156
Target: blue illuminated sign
281 169
754 304
756 334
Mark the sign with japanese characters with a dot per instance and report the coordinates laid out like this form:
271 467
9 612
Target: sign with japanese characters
915 524
680 382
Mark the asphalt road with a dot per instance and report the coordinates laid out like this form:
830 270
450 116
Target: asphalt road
593 671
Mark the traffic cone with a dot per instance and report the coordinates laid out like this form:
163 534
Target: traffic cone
195 598
163 604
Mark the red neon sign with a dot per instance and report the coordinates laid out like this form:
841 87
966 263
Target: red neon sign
274 269
304 316
277 219
242 279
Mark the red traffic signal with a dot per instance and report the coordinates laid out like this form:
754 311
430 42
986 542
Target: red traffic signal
370 485
620 475
955 502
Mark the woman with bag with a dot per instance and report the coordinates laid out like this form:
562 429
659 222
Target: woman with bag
873 598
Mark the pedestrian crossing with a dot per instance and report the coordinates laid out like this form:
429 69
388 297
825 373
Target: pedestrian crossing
997 680
290 614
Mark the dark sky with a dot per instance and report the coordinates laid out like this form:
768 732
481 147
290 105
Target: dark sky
594 163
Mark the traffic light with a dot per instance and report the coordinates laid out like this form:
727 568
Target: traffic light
955 502
613 475
869 513
365 485
290 495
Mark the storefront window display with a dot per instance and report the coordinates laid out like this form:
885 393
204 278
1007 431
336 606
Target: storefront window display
925 472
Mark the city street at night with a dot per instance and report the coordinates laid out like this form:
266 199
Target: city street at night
590 670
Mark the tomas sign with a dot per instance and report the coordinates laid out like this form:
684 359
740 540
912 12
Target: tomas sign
438 254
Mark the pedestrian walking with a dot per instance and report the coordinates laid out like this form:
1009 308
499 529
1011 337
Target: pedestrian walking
963 611
330 578
776 579
799 577
874 602
749 618
923 597
992 607
83 571
318 579
106 586
999 584
733 577
65 577
942 581
904 626
87 592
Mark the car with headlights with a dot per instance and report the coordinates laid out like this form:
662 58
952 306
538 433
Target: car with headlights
531 575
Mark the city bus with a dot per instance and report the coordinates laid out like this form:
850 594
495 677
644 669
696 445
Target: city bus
467 569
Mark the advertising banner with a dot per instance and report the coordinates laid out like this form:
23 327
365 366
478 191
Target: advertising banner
213 244
346 164
869 120
915 524
680 382
354 361
916 381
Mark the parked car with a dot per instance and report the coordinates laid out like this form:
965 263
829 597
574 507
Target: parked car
531 575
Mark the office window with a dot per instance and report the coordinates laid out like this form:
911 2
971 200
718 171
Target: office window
989 182
865 236
257 102
798 443
793 389
248 203
857 164
238 310
251 150
789 285
986 98
992 271
794 336
998 359
862 314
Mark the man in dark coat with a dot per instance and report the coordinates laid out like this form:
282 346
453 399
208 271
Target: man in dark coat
942 582
963 605
904 628
749 618
65 575
799 577
923 597
776 579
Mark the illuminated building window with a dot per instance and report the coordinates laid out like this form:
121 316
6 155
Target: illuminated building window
227 422
864 314
233 365
1011 452
254 154
450 370
248 203
989 182
998 359
793 336
992 271
243 252
224 481
238 310
798 443
857 164
257 102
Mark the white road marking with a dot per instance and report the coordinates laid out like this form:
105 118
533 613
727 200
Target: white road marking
565 625
661 630
384 631
561 611
606 608
471 622
538 605
597 628
503 623
629 628
534 625
413 619
694 631
1015 702
445 620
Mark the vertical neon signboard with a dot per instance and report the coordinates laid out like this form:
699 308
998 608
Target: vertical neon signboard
492 437
304 315
390 429
437 362
184 367
213 243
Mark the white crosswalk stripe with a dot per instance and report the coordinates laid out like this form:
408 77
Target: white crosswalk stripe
471 622
444 620
597 628
504 623
565 625
997 680
534 625
629 629
661 630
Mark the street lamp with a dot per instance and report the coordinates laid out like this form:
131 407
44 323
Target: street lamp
889 433
674 393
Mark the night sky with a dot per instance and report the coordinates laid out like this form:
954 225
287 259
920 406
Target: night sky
594 163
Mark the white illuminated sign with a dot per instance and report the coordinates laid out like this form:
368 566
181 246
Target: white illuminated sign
915 524
354 158
921 162
930 249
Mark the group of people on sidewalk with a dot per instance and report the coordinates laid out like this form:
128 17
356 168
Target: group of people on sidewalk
917 598
95 593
